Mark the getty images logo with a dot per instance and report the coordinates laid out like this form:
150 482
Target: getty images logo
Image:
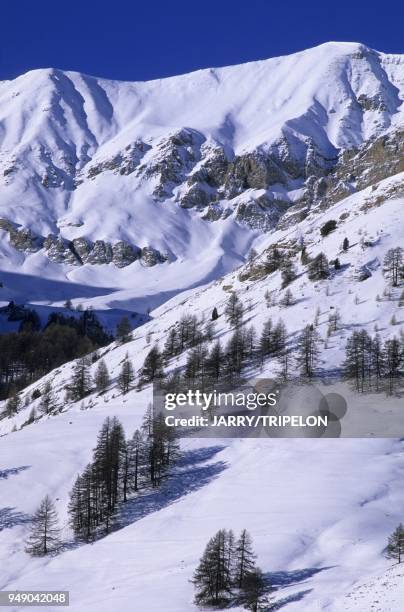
303 400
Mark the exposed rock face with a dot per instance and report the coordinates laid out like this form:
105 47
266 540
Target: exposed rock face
6 225
101 253
124 162
59 250
80 250
253 170
151 257
174 159
123 254
260 213
25 240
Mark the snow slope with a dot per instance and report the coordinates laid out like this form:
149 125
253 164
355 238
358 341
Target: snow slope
319 511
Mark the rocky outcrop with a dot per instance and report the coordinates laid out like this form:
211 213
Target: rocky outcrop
25 240
125 162
174 159
59 250
151 257
251 171
101 253
123 254
260 213
80 250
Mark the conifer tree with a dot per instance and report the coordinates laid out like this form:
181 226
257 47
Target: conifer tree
288 273
215 314
13 404
123 330
308 350
44 537
234 310
287 299
318 268
393 264
393 358
244 558
213 578
214 362
80 384
152 367
171 345
253 592
345 244
126 375
47 403
395 546
101 378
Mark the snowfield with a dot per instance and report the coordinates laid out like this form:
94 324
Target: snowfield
319 510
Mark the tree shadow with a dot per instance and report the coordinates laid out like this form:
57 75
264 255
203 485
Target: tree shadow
10 517
281 580
187 478
4 474
288 600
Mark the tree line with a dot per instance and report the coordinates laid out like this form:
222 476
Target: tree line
120 468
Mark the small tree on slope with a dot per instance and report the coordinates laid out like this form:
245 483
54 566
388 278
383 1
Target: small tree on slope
45 533
395 546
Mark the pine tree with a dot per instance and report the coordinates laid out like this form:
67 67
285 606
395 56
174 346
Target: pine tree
126 375
393 358
318 268
44 537
234 310
108 457
101 378
378 364
253 593
80 384
358 359
171 345
68 304
395 546
214 362
308 350
13 404
265 342
123 330
288 273
337 264
215 314
244 558
287 299
212 578
47 403
393 264
152 367
304 258
345 244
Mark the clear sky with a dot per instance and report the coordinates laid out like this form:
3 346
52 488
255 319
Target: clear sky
145 39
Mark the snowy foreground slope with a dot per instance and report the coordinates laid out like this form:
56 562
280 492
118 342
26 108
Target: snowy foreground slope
319 511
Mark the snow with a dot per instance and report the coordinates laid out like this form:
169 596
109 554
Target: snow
319 511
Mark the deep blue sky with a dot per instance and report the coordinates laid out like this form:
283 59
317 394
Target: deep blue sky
138 40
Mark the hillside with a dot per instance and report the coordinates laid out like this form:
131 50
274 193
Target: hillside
319 510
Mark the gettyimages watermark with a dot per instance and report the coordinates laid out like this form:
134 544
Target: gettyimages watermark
267 408
253 409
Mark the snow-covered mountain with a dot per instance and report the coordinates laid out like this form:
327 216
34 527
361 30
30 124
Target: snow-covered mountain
278 148
169 182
